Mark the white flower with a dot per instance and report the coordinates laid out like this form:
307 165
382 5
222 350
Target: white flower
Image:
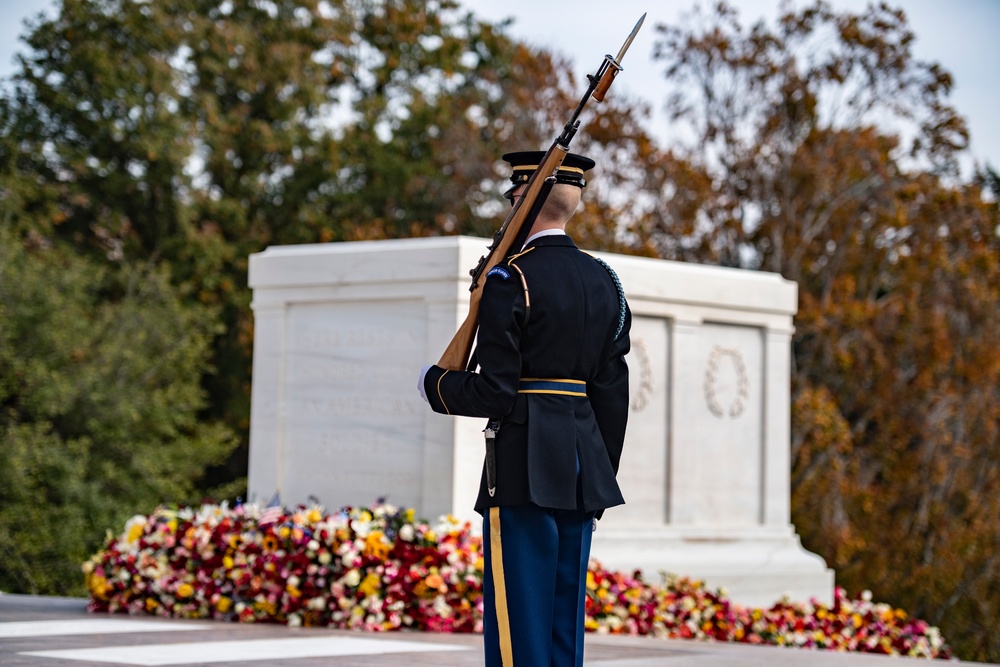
442 607
353 577
406 533
361 528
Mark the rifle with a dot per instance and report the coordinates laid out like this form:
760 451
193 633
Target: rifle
514 230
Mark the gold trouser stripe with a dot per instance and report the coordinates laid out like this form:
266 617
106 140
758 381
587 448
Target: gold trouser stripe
500 589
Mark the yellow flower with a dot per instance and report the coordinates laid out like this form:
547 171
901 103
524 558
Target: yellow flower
97 585
224 604
185 590
376 546
151 605
370 585
135 531
314 515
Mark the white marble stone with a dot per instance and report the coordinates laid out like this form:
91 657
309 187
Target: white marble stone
343 329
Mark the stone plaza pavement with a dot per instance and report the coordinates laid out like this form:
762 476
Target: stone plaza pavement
58 632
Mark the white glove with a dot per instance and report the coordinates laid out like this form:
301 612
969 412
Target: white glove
420 383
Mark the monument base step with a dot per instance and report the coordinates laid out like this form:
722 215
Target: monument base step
756 568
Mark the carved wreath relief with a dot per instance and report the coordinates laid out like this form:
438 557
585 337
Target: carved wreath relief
716 366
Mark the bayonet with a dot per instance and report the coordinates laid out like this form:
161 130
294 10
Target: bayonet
611 66
628 42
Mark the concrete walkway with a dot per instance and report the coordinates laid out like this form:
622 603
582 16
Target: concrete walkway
58 632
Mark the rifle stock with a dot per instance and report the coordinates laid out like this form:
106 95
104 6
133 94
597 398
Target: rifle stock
514 230
456 355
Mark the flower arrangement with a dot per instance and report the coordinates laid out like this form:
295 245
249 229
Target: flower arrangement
378 568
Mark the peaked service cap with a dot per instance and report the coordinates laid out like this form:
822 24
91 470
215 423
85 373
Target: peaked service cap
524 164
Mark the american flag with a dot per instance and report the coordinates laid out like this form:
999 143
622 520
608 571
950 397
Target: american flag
272 512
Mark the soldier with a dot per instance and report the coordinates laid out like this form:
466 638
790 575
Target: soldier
552 380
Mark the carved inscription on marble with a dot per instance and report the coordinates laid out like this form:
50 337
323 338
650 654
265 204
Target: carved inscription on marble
350 410
727 387
361 406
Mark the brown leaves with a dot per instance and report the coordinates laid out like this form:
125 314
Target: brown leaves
896 418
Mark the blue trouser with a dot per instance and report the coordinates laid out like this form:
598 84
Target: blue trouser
537 618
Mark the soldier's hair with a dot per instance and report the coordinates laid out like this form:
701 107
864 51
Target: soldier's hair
561 203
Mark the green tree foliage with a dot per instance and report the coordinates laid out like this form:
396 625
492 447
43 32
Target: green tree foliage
196 133
896 384
99 407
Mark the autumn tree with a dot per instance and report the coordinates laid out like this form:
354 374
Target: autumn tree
820 148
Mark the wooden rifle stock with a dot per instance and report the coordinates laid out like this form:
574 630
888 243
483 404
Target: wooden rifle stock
513 233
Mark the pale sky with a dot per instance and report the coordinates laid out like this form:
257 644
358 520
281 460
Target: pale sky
961 35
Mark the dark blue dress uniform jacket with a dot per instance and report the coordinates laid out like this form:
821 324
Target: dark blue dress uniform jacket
568 333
